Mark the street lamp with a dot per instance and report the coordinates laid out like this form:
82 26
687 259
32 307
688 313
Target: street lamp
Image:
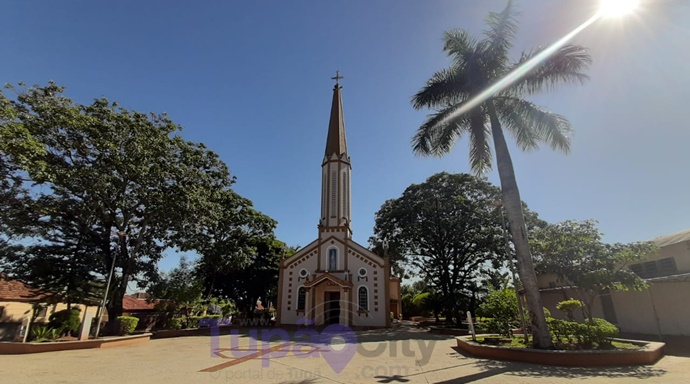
121 236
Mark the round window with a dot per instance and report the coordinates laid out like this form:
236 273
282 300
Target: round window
303 273
362 272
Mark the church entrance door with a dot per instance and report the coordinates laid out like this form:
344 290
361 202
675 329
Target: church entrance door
331 313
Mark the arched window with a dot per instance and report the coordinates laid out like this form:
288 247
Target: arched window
301 298
332 259
363 296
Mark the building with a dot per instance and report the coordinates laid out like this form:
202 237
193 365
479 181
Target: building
334 280
141 306
22 305
662 309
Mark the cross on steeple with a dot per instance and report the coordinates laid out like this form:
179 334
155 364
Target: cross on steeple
337 78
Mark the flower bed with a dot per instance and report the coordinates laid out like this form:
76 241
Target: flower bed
646 353
13 348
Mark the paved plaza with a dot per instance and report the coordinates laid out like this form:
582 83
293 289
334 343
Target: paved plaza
403 355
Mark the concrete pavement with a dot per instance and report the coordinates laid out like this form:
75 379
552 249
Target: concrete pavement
404 355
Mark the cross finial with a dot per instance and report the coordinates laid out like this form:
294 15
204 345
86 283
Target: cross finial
337 78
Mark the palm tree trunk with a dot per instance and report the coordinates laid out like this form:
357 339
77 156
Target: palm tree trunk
513 205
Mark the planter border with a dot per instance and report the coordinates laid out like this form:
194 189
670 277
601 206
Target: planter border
14 348
648 355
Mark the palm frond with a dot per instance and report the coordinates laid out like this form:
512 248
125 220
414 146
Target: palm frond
566 65
444 87
480 149
438 134
458 42
531 124
500 34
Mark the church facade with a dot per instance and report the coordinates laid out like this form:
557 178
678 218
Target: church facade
334 280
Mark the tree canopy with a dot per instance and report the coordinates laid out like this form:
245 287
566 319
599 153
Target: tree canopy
575 252
91 183
446 230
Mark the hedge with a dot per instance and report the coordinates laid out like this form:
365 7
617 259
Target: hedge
127 324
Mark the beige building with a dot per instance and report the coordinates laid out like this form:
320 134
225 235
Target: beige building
662 309
18 302
334 280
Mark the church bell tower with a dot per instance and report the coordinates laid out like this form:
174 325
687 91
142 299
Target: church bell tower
336 169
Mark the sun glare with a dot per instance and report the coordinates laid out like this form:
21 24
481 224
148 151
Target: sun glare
613 8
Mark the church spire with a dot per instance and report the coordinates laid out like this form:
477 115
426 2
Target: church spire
336 143
335 184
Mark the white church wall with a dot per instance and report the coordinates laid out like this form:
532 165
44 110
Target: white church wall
373 281
292 281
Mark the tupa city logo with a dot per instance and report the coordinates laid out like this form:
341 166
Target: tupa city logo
337 344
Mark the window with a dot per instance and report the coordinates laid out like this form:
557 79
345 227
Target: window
334 180
344 194
303 273
362 272
363 296
324 195
663 267
301 298
42 311
332 259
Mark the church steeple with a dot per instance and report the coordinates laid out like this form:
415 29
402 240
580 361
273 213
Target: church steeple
335 188
336 142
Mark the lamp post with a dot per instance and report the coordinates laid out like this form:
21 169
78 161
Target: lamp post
121 236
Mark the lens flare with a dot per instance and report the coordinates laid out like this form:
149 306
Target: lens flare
519 72
616 8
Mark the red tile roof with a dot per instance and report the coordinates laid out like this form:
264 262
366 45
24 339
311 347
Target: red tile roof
133 303
15 290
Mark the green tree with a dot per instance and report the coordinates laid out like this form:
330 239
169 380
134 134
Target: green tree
258 278
445 230
179 291
477 64
575 252
119 184
230 242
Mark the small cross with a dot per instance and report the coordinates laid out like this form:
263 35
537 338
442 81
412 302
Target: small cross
337 78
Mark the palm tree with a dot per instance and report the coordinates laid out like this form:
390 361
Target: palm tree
476 65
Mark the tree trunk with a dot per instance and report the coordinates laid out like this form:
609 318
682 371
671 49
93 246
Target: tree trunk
513 205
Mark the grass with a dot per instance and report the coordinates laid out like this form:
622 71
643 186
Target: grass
519 342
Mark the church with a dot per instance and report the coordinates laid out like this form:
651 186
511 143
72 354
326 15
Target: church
334 280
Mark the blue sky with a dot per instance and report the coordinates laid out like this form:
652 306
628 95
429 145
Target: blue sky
251 79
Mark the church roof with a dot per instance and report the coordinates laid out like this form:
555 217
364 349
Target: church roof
328 276
336 143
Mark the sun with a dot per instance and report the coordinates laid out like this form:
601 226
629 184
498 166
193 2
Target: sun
613 8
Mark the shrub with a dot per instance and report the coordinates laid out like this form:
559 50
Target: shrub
127 324
174 323
191 322
67 320
597 333
502 307
569 306
601 331
42 332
